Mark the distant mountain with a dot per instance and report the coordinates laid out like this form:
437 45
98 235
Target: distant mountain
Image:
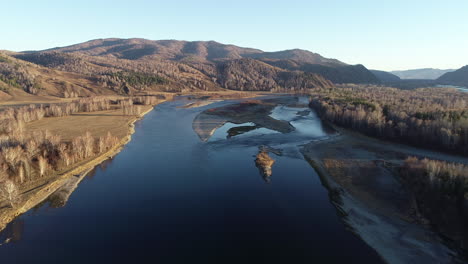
342 74
458 77
135 66
385 77
426 74
134 49
296 55
211 52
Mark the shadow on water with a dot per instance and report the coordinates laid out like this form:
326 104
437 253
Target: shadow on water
239 130
12 233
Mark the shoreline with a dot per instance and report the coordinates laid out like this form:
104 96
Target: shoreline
359 175
42 192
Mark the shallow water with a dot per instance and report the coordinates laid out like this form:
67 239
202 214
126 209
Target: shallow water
170 198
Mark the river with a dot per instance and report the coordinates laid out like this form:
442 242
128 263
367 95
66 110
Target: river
168 197
460 88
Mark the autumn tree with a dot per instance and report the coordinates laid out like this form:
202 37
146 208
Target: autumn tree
9 192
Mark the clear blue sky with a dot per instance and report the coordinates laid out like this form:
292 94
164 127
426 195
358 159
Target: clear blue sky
387 35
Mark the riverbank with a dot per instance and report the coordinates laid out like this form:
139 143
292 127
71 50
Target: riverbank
362 176
38 191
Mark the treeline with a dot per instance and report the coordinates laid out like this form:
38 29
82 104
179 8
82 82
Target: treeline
430 117
24 158
12 120
441 191
445 179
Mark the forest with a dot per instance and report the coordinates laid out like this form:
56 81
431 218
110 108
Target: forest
426 117
446 179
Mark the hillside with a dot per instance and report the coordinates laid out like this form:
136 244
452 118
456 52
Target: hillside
202 55
253 75
296 55
421 74
134 49
22 79
206 51
335 72
135 66
458 77
342 74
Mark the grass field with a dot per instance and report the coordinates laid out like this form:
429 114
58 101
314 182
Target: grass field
98 123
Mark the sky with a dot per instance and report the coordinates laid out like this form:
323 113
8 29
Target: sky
384 35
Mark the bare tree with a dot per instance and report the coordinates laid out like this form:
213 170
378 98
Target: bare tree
43 164
88 141
9 192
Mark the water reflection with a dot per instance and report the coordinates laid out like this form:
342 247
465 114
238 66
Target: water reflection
12 233
230 130
61 196
239 130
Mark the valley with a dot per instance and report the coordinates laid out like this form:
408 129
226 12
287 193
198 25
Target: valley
224 135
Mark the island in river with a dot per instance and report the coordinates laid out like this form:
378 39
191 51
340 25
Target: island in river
264 163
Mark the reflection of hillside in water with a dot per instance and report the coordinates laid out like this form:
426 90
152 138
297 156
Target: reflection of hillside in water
60 197
12 233
14 230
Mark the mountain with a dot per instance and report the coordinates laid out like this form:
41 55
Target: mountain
385 77
343 73
135 66
296 55
207 51
458 77
427 73
211 52
134 49
253 75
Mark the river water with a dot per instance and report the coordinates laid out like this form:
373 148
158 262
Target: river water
168 197
460 88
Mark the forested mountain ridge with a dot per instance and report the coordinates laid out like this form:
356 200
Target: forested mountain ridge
211 52
253 75
458 77
131 66
18 77
134 49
